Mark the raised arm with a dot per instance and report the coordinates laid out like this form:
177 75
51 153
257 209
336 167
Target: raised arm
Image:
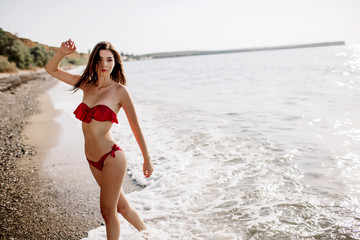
52 67
127 104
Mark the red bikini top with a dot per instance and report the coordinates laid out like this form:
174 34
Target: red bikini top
100 113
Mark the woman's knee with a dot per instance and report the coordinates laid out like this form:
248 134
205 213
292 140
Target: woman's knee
107 213
123 208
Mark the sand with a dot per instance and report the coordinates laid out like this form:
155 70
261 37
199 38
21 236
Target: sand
44 193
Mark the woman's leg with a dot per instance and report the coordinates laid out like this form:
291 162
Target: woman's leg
124 208
112 176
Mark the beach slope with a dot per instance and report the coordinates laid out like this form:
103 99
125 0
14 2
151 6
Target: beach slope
37 200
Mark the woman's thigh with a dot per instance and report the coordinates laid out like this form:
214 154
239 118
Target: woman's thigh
111 179
97 173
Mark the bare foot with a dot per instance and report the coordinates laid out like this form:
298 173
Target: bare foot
145 234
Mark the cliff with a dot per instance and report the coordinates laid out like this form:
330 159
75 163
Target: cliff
29 43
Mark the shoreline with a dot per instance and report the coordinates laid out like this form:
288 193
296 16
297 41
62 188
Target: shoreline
37 200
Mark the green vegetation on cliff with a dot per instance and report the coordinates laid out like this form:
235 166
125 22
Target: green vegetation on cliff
21 53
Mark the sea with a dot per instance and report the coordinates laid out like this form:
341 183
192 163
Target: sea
251 145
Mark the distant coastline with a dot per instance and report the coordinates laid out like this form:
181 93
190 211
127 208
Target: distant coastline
20 54
195 53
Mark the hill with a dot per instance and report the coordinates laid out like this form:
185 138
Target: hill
30 44
18 53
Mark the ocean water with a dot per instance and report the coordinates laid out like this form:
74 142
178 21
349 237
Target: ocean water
258 145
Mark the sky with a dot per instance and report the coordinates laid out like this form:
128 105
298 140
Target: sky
148 26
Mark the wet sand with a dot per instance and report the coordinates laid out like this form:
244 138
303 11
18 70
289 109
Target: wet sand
47 190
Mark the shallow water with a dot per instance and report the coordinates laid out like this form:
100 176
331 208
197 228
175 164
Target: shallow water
258 145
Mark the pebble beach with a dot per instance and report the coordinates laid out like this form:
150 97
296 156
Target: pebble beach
33 206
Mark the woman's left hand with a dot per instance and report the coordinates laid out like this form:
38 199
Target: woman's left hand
148 168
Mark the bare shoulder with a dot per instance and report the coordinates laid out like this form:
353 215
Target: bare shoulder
121 90
123 94
120 87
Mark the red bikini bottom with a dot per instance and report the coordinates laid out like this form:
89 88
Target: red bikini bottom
99 164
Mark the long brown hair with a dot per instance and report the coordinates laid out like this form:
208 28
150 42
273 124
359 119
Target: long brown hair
90 76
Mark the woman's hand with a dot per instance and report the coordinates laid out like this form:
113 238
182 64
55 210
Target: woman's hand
148 168
67 47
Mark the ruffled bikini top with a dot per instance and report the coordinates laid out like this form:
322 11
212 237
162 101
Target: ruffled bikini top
100 113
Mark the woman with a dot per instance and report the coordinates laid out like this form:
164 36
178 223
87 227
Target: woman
104 93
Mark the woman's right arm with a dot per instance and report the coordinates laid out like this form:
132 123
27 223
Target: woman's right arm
52 67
